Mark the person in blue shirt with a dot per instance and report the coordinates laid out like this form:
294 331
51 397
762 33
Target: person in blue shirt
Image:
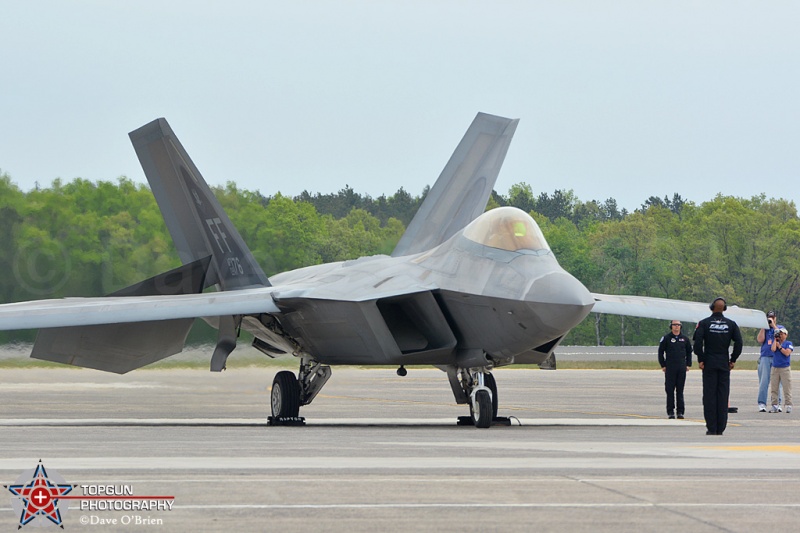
781 371
766 336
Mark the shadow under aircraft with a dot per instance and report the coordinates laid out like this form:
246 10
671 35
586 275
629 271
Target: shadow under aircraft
464 290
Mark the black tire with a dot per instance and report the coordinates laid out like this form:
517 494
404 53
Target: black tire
482 418
488 380
285 395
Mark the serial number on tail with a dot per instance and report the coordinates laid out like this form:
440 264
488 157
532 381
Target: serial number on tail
235 266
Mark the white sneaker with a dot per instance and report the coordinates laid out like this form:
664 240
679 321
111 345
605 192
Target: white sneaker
788 409
775 409
762 408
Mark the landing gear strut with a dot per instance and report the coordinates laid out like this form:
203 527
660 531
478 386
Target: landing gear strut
478 389
289 393
483 400
490 405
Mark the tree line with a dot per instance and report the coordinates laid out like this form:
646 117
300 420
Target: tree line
84 238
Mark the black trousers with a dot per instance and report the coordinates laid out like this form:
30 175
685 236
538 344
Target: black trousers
716 390
674 380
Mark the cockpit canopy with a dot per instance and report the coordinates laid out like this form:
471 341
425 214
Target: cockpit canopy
507 228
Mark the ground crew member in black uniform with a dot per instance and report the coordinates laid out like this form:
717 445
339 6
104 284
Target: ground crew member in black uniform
675 358
712 339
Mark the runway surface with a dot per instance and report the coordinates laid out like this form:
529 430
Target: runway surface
590 450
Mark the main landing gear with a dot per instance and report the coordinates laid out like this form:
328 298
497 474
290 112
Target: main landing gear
290 392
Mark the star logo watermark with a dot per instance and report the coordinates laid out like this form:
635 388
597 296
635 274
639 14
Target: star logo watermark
36 494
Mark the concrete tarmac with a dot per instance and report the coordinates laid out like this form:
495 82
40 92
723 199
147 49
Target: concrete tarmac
589 450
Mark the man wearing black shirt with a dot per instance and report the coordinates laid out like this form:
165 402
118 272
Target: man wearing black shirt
712 339
675 358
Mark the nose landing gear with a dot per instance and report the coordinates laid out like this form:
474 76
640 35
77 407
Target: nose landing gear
479 390
480 409
483 404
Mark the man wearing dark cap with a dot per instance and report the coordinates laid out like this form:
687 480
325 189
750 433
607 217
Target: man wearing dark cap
766 336
675 358
712 340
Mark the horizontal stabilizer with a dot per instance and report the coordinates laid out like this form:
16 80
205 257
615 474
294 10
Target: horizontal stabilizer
115 348
462 190
186 279
663 309
123 347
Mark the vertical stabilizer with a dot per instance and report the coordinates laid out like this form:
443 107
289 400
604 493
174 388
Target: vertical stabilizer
197 223
462 191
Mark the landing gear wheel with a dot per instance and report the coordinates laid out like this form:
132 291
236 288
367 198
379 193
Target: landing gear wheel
285 397
488 380
482 416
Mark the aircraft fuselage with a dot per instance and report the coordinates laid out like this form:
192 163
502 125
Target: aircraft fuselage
454 304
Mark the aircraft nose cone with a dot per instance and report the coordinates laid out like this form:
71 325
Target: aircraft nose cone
560 300
560 288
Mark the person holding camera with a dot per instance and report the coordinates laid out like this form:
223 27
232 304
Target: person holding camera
675 358
712 339
766 336
781 371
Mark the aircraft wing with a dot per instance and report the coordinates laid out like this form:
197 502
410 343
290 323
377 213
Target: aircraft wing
123 309
664 309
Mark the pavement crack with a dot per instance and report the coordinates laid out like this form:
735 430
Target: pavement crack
665 507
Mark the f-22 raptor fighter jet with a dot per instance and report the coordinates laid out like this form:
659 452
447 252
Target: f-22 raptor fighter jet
464 290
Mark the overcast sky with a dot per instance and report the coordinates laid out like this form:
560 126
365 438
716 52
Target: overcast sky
616 99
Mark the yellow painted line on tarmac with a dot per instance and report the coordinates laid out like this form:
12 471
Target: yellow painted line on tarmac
764 448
